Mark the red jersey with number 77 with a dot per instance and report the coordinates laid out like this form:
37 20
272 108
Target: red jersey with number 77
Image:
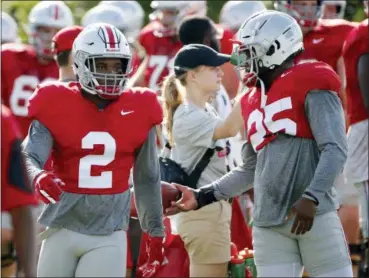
94 149
21 72
282 108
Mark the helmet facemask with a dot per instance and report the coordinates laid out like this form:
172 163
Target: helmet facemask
41 39
96 80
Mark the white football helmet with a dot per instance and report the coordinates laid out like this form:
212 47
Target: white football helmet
265 41
178 11
234 13
51 14
333 9
134 16
9 28
101 41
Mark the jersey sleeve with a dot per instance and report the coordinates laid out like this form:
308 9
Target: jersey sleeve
226 45
150 103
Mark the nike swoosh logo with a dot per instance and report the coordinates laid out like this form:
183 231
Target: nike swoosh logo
316 41
125 113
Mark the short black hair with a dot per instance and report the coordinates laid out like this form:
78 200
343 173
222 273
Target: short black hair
62 58
194 29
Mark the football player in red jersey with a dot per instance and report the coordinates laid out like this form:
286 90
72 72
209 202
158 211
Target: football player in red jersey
25 66
97 130
17 201
295 150
356 58
160 41
62 44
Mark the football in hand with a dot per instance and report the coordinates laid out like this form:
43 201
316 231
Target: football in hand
169 193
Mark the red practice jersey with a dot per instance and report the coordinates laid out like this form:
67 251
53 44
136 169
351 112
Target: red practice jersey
357 43
161 51
324 43
20 74
15 190
282 109
94 149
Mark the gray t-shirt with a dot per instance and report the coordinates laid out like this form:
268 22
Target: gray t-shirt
193 130
288 166
100 214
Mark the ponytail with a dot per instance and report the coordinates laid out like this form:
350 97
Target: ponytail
172 99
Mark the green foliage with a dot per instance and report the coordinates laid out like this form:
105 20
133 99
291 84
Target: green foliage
20 10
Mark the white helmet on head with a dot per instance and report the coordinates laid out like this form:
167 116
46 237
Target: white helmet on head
234 13
101 41
265 41
51 14
9 28
333 9
133 14
180 10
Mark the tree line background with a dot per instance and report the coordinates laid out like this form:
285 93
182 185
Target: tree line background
20 10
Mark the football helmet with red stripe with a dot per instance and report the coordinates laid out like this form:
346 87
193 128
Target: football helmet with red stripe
102 60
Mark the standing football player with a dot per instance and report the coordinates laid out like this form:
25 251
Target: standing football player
356 57
26 66
98 130
296 147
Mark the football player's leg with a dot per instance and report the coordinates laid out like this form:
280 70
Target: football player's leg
276 253
324 249
107 256
57 258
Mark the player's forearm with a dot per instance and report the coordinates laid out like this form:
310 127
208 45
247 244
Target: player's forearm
147 187
36 148
236 182
327 123
25 239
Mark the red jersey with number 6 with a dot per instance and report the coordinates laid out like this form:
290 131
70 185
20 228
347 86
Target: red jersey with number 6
94 149
20 74
282 109
357 44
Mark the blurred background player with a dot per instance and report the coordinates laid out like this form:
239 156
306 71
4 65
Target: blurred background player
161 43
356 60
333 9
62 45
26 66
9 29
234 13
18 235
134 16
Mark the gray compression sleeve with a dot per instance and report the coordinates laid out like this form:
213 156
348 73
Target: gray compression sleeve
239 180
36 148
325 114
147 187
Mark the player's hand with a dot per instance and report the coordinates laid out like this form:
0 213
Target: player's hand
155 259
304 211
48 187
186 203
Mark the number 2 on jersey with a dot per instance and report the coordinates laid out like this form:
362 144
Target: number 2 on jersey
105 180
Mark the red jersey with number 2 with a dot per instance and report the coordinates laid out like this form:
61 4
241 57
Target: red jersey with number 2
282 109
94 149
20 74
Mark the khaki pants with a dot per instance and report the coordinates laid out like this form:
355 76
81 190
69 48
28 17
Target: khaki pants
206 233
65 253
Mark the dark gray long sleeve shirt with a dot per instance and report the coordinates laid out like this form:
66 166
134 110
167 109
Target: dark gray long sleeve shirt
289 166
100 214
